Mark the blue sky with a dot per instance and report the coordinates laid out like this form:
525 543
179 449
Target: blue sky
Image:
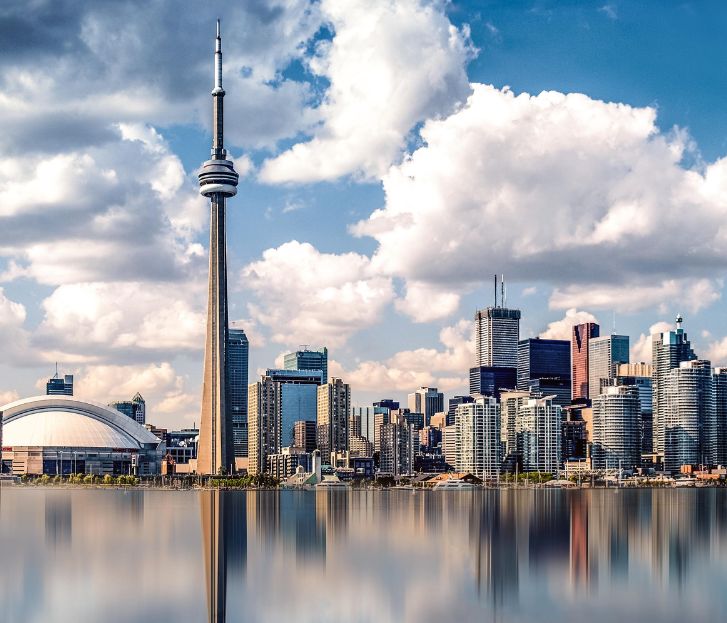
394 155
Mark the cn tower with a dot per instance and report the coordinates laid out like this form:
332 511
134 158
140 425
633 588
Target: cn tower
218 181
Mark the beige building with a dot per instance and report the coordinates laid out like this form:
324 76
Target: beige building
334 405
263 423
634 369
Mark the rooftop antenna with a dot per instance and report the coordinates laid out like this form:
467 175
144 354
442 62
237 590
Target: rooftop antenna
495 276
614 322
55 376
679 321
502 290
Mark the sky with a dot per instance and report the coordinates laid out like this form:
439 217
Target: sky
393 155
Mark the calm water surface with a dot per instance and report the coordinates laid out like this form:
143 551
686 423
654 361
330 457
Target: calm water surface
152 556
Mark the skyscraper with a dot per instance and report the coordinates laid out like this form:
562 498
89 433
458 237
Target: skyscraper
543 367
497 332
668 350
218 181
453 403
134 408
297 399
579 358
57 386
604 355
689 423
334 405
263 423
307 359
616 428
477 428
488 380
427 401
639 376
720 415
539 438
510 403
238 351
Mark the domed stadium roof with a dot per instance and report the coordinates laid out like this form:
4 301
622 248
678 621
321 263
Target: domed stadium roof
63 421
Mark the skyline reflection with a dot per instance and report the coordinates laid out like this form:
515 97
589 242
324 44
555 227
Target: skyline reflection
362 555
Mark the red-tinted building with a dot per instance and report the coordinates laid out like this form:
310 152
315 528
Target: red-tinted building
579 357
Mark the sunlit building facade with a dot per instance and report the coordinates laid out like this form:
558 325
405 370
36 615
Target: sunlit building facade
478 445
538 432
616 428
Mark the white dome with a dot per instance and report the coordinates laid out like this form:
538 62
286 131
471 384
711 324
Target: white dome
54 421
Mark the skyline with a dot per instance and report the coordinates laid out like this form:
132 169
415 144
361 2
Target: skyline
111 286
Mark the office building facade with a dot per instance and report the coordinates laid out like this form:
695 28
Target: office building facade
497 332
134 408
580 336
719 381
427 401
604 355
308 359
489 381
238 353
59 386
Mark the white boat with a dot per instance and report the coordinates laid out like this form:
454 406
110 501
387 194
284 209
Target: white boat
454 484
331 483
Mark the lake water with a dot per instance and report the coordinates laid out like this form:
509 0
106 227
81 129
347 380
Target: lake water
506 556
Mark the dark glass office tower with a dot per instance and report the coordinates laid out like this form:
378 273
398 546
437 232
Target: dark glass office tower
238 353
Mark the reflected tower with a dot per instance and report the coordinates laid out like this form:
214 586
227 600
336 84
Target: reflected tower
218 181
214 542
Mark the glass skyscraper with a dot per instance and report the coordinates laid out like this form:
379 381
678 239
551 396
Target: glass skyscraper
543 366
604 355
238 353
307 359
298 399
582 333
497 331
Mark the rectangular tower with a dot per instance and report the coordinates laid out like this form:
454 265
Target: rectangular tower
308 359
604 355
497 332
238 356
579 358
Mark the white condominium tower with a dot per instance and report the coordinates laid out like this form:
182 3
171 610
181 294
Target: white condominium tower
689 423
668 350
477 426
617 428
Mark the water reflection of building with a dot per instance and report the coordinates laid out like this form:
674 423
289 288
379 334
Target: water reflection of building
58 519
213 505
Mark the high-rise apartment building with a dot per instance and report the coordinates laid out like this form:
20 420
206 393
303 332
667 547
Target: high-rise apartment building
605 353
427 401
382 415
364 422
689 423
617 428
543 367
263 418
668 350
334 406
308 359
497 332
477 427
59 386
639 376
510 403
399 441
582 333
304 435
449 445
452 407
238 352
134 408
538 431
720 415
